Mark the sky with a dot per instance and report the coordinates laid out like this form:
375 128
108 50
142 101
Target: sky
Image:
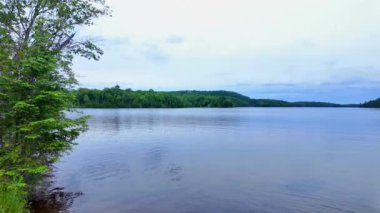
317 50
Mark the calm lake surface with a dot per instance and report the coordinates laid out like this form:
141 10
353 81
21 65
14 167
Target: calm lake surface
226 160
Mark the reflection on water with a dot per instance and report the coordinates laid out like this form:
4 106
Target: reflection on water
174 172
56 201
304 186
153 159
225 160
52 200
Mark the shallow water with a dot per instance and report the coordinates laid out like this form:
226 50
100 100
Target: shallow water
226 160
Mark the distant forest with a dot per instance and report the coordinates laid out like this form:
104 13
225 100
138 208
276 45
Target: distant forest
115 97
372 104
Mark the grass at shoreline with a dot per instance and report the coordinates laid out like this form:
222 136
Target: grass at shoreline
12 200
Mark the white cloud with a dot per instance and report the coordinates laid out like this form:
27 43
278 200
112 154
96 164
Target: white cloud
177 44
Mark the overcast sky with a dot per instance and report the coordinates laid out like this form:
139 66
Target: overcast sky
321 50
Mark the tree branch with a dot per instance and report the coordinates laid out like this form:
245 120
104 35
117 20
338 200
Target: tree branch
65 43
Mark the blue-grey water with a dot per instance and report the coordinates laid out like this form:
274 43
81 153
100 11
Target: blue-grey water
226 160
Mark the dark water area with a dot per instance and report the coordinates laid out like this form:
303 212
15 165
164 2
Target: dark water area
225 160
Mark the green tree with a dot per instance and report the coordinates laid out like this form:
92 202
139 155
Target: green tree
37 46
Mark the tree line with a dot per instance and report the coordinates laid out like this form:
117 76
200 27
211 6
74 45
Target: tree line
115 97
372 104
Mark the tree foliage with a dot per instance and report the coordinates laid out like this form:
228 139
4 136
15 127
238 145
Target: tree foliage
37 46
372 104
118 98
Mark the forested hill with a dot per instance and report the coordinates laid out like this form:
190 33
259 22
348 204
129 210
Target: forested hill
116 97
279 103
372 104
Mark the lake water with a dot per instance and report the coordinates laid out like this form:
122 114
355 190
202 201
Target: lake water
226 160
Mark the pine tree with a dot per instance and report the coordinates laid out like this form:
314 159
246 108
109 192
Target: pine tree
37 46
